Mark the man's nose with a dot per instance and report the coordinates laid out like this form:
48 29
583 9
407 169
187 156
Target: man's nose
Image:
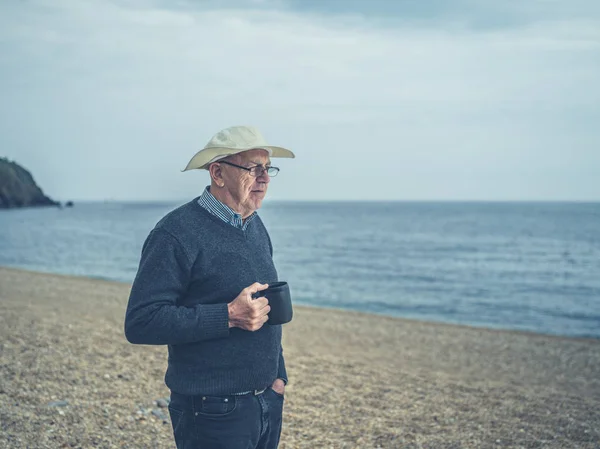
264 177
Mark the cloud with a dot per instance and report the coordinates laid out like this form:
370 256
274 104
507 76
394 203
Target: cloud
413 108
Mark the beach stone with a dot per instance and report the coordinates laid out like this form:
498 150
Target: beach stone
159 414
58 403
142 411
163 402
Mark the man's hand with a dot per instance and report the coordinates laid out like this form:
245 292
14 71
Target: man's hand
247 313
279 386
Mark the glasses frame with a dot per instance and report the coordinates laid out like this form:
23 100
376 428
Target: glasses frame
253 169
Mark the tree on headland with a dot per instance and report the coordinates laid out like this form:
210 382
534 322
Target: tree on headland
18 188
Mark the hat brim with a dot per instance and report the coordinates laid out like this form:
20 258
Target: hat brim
203 158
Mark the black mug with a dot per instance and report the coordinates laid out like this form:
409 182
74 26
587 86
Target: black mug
280 302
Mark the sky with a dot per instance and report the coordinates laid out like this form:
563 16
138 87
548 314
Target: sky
380 100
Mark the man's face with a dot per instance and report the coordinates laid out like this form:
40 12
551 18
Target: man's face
245 190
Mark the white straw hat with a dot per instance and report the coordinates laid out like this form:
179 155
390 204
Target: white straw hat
232 141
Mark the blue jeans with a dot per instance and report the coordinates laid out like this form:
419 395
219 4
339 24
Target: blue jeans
227 422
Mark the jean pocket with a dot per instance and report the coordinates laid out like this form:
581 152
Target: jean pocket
279 395
176 420
216 405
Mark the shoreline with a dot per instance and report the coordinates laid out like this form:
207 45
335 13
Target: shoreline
68 378
340 310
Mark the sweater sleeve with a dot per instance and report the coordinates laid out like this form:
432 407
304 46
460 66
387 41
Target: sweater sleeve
153 316
281 372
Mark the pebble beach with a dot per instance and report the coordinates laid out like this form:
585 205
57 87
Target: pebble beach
69 379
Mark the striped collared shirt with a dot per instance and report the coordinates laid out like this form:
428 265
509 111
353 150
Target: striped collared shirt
224 212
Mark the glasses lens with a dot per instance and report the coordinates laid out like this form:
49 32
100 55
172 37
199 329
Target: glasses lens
258 171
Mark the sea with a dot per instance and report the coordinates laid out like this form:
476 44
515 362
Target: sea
522 266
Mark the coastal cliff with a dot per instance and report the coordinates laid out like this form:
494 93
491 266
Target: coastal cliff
18 188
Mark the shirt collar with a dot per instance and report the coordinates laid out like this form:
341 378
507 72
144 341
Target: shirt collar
208 201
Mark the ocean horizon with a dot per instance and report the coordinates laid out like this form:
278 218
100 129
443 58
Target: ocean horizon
527 265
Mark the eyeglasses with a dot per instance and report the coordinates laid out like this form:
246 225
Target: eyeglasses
256 171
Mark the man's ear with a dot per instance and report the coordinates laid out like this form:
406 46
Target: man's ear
216 174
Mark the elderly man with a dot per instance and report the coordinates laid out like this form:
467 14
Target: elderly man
199 269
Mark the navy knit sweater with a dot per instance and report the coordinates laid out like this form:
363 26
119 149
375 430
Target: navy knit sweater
192 265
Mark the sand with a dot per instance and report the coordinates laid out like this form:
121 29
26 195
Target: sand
356 380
